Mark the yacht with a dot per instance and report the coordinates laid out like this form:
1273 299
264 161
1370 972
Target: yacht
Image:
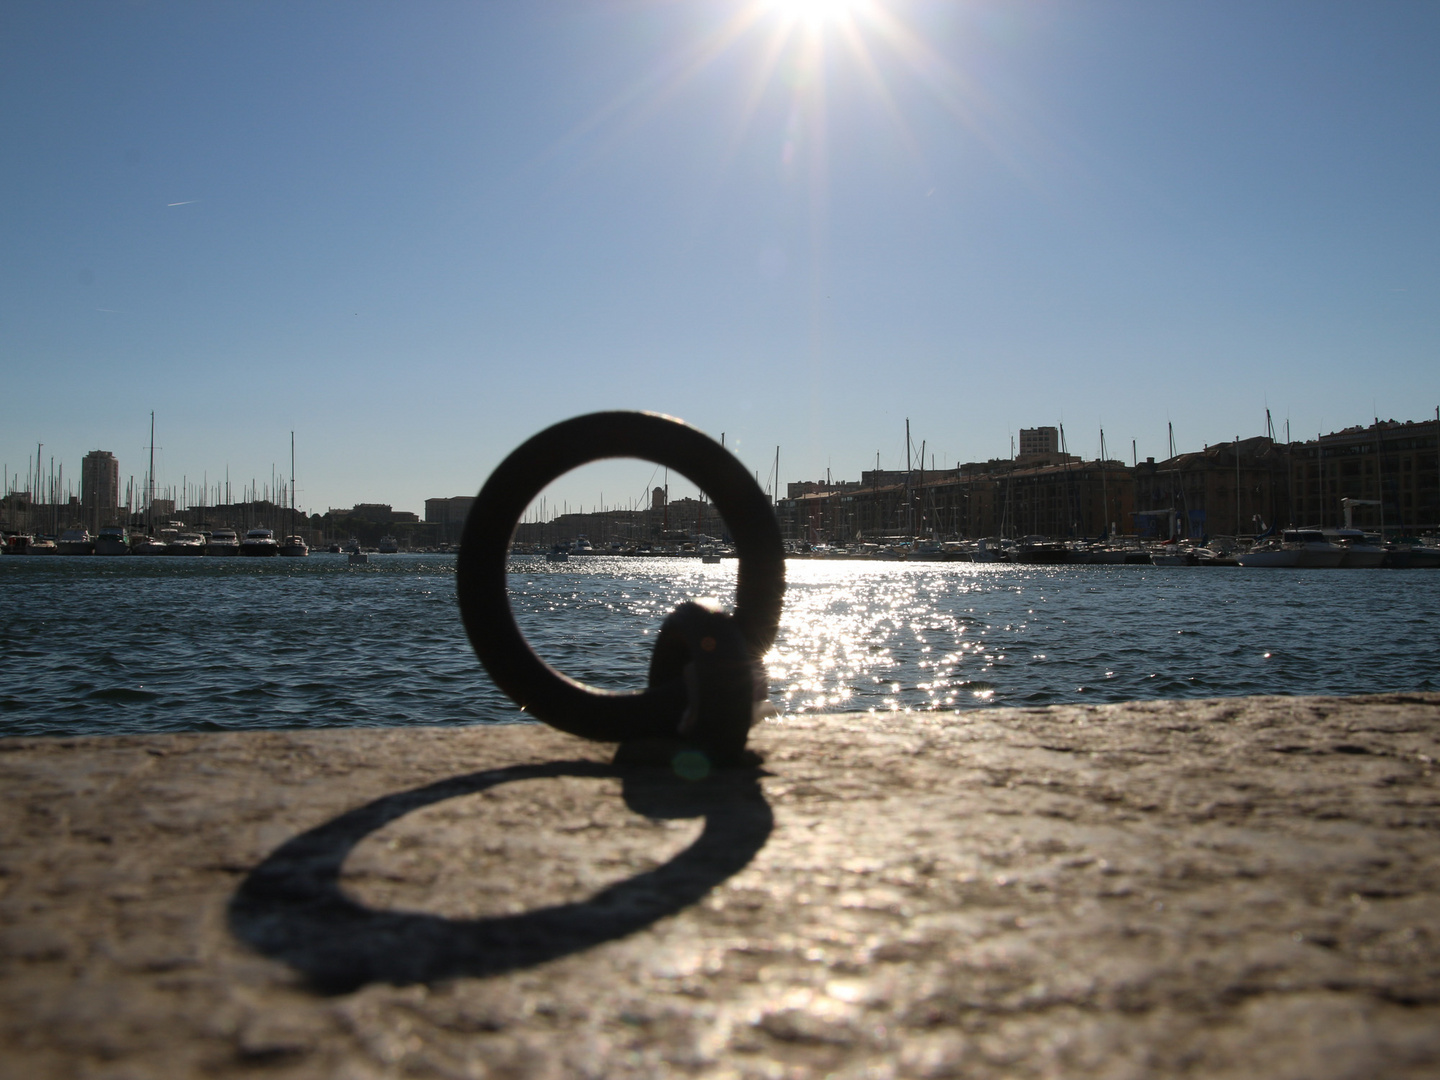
147 545
76 542
185 543
1295 547
18 544
112 540
43 545
1359 548
223 542
259 542
388 546
295 547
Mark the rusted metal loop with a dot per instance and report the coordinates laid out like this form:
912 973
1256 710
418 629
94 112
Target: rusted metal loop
702 646
555 698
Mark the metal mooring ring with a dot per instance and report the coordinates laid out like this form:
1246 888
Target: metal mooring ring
543 692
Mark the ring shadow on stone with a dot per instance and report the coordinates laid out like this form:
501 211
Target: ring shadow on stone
291 907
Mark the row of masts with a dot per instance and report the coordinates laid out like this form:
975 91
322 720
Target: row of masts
46 488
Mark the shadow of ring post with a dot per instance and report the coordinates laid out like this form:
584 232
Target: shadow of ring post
540 690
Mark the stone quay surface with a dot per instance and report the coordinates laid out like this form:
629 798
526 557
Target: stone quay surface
1226 888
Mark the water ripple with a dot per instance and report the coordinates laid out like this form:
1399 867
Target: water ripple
133 645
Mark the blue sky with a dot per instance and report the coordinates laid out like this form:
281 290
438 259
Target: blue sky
417 233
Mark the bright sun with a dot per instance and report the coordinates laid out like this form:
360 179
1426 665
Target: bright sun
813 11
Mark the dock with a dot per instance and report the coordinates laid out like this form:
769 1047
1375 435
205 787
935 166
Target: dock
1211 888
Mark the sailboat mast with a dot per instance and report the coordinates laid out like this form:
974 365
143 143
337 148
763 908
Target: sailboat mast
150 483
1104 485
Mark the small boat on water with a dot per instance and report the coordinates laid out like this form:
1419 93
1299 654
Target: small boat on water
1359 548
147 545
112 540
18 544
185 543
76 542
259 542
223 542
43 545
359 558
294 547
1303 548
1408 552
559 553
388 546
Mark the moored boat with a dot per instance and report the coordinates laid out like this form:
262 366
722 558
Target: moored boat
1304 548
185 543
18 544
76 542
147 545
112 540
259 542
388 546
294 547
1358 547
43 545
223 542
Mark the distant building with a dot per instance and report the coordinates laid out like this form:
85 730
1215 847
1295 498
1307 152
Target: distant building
449 515
1040 440
657 499
99 489
452 511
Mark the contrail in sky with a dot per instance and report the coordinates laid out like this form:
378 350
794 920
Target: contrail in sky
187 202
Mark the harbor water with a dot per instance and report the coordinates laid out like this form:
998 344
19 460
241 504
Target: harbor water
108 646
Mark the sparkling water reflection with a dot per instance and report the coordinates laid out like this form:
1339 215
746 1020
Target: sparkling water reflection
92 645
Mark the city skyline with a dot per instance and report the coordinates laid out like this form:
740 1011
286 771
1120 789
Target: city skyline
1046 441
416 236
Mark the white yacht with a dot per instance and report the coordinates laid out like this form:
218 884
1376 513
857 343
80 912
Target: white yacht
1360 548
1295 547
223 542
185 543
259 542
295 547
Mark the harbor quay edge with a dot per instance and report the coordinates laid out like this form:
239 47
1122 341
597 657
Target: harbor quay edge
1224 887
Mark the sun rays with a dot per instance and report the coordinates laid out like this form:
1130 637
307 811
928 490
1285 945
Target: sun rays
788 53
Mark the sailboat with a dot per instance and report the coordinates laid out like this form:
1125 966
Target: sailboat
294 545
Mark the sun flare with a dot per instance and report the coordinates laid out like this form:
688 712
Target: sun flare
814 12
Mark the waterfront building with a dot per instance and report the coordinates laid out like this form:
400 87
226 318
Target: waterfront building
1236 488
1389 473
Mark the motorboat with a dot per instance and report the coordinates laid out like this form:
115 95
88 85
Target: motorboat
18 544
1360 548
1304 548
359 558
294 547
558 554
43 545
185 543
223 542
1410 552
147 545
76 542
259 542
388 546
1173 553
112 540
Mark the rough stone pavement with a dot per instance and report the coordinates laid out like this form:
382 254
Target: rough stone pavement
1240 887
